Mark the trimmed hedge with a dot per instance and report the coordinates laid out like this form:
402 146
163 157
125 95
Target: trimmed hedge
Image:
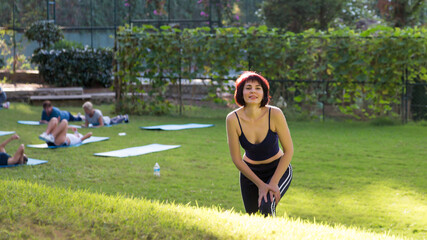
75 67
346 60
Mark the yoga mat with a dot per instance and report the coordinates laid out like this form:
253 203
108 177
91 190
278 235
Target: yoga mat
3 133
135 151
36 123
31 161
89 140
29 122
177 126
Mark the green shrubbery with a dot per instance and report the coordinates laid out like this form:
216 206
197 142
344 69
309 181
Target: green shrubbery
68 63
75 67
45 33
363 72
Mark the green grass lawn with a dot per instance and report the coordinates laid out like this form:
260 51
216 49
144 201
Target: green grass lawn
346 174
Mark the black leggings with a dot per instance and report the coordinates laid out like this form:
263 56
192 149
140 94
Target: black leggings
250 190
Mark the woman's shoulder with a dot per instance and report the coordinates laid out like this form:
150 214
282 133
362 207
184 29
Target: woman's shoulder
275 109
98 111
232 114
276 112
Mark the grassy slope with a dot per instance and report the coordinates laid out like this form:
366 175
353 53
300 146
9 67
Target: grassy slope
37 212
345 173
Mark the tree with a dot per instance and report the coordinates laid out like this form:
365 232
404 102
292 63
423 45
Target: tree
401 13
298 15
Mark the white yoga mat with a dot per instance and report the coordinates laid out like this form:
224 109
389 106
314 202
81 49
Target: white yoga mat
135 151
36 123
89 140
29 122
31 161
171 127
3 133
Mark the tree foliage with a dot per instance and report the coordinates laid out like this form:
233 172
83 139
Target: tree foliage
401 13
299 15
45 33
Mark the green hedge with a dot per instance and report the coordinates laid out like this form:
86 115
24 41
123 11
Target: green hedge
344 58
75 67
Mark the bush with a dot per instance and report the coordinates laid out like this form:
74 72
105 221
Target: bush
1 63
45 33
75 67
64 44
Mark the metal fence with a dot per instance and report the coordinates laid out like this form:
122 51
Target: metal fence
412 104
95 22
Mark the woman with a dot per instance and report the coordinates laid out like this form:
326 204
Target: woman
18 158
94 117
265 170
56 134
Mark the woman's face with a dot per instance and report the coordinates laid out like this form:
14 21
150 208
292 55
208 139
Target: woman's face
87 111
252 92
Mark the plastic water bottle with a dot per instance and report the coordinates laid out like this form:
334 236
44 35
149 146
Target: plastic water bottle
156 170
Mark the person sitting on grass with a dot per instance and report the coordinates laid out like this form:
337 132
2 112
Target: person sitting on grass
50 112
18 158
3 97
56 134
94 117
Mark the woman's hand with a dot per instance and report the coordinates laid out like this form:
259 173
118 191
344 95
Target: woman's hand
15 137
265 189
275 192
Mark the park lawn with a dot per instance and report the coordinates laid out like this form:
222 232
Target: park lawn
353 174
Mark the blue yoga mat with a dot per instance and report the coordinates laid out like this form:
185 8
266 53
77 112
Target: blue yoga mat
36 123
89 140
135 151
171 127
31 161
3 133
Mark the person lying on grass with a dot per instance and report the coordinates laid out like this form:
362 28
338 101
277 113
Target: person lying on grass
50 112
94 117
3 97
18 158
56 134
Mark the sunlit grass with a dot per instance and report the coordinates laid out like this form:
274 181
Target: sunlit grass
35 211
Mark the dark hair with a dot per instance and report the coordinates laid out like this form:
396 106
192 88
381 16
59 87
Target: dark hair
25 159
240 84
46 104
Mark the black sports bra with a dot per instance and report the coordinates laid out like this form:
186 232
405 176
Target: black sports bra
263 150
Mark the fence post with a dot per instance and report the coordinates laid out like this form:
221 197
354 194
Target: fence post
91 24
13 36
180 76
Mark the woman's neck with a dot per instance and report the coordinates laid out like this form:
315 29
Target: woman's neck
253 111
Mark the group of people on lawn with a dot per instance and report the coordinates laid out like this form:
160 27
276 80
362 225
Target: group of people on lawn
256 126
56 133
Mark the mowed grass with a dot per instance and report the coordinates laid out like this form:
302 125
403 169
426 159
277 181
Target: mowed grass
350 174
32 211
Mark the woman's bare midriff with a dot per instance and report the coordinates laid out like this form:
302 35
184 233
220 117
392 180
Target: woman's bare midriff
269 160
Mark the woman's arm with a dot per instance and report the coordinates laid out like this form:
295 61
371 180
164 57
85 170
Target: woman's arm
86 136
101 121
7 141
234 146
280 126
86 124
